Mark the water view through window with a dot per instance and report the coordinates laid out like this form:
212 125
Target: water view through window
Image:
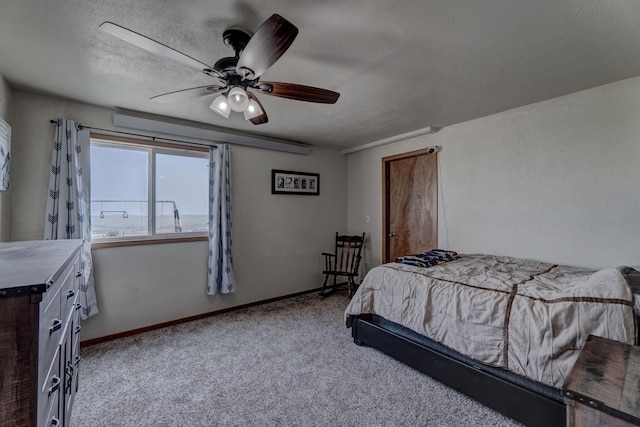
121 187
182 183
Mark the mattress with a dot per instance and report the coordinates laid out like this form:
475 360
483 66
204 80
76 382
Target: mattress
526 316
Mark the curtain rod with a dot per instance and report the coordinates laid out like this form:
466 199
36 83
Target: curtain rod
153 138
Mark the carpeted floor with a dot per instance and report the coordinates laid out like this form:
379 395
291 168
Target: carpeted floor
289 363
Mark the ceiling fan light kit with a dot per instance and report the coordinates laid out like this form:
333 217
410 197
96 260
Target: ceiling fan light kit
253 56
221 106
238 99
253 110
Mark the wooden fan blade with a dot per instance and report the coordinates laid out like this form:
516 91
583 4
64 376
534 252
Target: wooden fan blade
299 92
267 45
153 46
184 94
261 119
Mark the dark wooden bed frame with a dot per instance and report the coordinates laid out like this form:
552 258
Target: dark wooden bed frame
526 401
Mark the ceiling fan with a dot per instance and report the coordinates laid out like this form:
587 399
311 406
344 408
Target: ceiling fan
236 74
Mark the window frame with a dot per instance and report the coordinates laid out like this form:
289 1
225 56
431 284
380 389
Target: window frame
152 147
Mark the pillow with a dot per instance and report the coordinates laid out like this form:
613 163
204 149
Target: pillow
633 278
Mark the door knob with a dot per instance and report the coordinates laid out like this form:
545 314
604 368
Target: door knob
391 235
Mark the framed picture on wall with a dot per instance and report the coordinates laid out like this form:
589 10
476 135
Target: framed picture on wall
292 182
5 154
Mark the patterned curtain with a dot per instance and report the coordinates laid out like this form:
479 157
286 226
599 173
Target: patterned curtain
69 201
220 278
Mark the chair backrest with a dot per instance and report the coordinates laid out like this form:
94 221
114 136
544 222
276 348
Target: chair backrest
348 253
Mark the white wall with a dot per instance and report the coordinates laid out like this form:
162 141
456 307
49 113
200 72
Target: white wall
277 239
556 181
5 196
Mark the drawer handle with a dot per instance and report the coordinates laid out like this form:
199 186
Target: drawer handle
76 360
78 306
57 324
79 273
78 329
55 422
55 385
71 293
69 372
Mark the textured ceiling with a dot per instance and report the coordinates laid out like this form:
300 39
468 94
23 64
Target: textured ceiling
399 65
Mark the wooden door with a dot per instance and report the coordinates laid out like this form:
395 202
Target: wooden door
410 204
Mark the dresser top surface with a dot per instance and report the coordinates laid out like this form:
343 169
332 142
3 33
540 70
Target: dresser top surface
36 262
608 372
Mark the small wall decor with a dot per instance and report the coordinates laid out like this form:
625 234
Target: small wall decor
5 154
292 182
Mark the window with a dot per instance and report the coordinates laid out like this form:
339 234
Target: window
145 190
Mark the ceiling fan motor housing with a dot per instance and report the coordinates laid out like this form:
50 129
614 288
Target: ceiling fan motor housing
236 39
226 66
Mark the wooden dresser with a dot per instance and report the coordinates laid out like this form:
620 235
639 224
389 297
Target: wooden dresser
603 388
39 331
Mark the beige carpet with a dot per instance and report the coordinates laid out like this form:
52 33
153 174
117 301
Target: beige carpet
289 363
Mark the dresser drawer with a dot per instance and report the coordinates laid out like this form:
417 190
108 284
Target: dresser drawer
52 326
51 387
52 419
75 336
60 280
71 351
70 288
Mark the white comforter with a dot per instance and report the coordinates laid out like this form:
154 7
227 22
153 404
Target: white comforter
529 317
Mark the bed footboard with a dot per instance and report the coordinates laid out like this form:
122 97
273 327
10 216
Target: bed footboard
526 406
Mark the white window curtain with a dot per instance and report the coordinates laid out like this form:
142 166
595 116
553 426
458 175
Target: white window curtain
68 213
220 278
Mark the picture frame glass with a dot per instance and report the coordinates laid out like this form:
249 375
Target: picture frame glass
5 154
292 182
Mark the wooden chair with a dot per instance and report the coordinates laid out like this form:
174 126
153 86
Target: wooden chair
343 262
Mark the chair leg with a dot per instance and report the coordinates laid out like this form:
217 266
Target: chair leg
323 292
324 286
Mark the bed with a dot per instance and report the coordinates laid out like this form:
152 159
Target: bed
505 331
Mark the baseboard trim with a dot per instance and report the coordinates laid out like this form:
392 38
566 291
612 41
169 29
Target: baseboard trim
191 318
